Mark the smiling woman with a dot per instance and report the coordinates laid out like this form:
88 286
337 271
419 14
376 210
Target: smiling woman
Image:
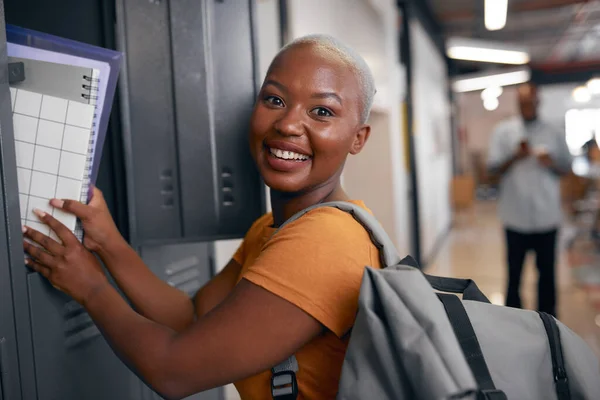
290 292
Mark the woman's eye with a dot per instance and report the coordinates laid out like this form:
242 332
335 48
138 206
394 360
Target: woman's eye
274 100
322 112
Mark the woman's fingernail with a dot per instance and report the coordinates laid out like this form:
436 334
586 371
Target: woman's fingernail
24 229
57 203
39 213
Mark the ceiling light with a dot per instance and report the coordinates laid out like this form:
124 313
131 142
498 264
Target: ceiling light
495 14
480 82
491 103
488 55
492 92
486 51
581 94
593 85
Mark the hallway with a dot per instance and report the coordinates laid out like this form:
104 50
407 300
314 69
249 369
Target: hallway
475 249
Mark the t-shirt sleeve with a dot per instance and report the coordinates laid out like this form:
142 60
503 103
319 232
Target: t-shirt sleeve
242 252
239 255
317 264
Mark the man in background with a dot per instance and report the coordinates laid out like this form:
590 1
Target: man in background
529 156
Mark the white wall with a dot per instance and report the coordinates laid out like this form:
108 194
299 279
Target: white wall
377 175
432 138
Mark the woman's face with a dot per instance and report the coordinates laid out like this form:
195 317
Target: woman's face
306 120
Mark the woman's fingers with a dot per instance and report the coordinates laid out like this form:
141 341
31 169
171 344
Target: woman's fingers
37 267
64 233
39 254
46 242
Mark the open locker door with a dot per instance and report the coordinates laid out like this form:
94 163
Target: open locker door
11 251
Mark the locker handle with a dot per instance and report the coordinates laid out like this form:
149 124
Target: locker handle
3 369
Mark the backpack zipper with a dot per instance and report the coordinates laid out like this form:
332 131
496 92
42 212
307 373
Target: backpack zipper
558 362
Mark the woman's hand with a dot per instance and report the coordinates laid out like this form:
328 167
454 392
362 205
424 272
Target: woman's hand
98 225
69 266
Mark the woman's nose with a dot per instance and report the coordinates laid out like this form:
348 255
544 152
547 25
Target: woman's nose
290 123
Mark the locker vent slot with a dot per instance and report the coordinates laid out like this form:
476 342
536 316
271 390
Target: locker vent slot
81 336
185 275
182 265
79 327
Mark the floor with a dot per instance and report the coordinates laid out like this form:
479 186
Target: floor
475 249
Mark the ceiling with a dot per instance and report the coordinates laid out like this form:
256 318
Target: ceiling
559 34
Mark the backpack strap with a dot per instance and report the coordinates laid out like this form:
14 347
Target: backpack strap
465 334
283 381
561 381
284 385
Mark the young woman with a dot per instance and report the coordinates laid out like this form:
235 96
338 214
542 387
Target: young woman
293 293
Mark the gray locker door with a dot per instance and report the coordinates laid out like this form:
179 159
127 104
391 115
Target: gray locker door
72 359
240 191
187 267
15 354
188 91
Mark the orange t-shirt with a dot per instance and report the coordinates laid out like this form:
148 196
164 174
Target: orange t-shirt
317 264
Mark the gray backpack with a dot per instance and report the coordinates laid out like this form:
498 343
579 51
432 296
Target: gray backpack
411 342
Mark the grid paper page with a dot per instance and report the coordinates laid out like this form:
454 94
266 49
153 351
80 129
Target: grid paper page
52 137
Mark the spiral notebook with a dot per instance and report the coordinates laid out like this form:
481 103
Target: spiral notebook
60 115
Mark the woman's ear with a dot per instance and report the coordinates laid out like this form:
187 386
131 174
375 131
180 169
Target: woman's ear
360 138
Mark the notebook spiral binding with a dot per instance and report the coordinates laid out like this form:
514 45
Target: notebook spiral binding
90 93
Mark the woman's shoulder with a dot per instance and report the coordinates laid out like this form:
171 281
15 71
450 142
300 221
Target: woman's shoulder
260 225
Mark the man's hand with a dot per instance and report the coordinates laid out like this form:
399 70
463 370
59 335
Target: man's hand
100 231
523 152
545 160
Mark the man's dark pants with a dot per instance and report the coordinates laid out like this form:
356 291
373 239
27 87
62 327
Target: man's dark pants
544 245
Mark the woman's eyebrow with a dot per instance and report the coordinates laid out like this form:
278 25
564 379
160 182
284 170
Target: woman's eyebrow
327 95
278 85
321 95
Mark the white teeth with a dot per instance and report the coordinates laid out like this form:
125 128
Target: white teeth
288 155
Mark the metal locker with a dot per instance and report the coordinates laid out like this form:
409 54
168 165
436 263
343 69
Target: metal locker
176 171
16 356
188 91
184 267
10 381
72 359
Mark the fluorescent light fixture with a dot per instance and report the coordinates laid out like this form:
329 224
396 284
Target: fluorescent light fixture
495 14
484 51
479 82
492 92
581 94
491 103
488 55
593 85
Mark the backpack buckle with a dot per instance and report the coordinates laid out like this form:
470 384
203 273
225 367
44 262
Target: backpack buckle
284 386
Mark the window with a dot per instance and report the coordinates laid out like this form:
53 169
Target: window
581 126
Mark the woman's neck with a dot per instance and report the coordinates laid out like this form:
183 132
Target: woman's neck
285 205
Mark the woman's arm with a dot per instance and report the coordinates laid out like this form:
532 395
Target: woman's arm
151 296
213 293
250 332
